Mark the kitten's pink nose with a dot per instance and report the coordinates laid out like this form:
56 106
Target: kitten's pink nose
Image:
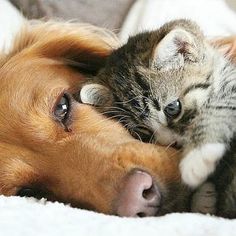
140 197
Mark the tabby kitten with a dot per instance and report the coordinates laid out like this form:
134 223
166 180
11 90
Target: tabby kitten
170 85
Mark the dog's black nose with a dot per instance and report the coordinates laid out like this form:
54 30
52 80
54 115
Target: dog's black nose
140 196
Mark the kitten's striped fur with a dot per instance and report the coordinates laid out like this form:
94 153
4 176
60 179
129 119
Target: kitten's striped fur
156 68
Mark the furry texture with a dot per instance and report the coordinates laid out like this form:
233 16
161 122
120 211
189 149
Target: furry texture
55 147
171 86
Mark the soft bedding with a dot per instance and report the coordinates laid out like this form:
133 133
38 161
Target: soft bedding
215 17
21 216
28 217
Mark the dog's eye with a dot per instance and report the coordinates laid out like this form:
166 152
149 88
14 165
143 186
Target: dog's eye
62 108
173 109
29 192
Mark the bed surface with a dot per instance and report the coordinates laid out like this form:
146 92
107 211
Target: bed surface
20 216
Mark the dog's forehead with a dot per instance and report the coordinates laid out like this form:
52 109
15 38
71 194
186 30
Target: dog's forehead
32 76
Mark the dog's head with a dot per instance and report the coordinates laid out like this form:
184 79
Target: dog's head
55 147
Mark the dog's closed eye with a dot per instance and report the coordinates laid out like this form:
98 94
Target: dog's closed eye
62 110
31 192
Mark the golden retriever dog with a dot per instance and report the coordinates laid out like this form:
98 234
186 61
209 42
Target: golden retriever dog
52 146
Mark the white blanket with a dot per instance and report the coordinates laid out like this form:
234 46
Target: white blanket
10 23
19 216
215 17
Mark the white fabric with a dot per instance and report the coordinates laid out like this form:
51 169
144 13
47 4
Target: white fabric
19 216
10 22
215 17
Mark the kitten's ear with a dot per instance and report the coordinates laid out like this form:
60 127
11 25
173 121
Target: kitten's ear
177 47
96 95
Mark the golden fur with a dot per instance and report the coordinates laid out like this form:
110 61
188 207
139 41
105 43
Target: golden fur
86 166
227 45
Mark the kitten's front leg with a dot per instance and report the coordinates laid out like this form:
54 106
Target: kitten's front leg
204 199
206 140
200 162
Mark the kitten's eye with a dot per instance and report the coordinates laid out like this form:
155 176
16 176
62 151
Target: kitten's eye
62 108
173 109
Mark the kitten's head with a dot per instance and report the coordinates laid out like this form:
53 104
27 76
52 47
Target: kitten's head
155 83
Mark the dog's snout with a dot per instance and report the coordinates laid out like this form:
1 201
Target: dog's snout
140 196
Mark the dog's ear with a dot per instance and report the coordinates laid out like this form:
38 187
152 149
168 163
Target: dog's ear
85 48
96 95
80 46
86 54
226 46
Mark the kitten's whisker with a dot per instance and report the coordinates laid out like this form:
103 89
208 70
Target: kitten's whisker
137 135
144 109
169 145
116 108
153 134
109 112
115 116
128 126
177 151
127 101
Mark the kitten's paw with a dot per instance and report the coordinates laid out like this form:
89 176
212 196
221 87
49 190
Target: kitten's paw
199 163
204 199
